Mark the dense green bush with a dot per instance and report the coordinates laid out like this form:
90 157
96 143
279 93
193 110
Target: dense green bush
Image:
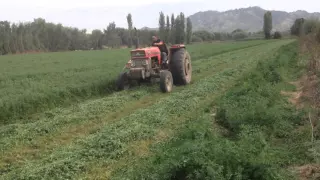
311 25
305 26
277 35
196 39
318 35
239 34
203 35
297 27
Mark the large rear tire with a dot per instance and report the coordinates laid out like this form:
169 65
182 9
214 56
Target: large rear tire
180 67
166 81
122 82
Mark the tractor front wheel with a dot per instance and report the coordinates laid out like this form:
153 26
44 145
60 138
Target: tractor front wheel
166 81
122 82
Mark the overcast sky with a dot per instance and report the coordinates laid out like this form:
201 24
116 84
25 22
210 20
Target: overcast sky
96 14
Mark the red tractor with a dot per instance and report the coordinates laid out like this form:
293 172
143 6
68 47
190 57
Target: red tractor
145 64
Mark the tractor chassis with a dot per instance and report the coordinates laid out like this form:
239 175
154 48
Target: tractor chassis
140 75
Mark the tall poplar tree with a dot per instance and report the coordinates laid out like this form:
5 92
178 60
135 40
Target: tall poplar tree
129 20
267 24
189 30
162 25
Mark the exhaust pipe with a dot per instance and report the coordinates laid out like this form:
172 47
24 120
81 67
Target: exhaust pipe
137 37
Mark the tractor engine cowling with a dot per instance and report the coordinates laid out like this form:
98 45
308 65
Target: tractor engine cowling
139 68
139 59
142 62
136 63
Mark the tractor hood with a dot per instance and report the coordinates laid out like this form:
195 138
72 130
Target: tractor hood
147 49
145 52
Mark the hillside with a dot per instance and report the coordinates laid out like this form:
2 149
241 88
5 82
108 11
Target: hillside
249 19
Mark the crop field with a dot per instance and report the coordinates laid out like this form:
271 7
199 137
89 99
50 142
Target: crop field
33 83
61 118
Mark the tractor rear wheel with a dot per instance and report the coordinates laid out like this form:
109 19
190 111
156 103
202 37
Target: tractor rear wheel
122 82
166 81
180 67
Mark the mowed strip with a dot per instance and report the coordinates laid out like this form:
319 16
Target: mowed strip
115 140
61 126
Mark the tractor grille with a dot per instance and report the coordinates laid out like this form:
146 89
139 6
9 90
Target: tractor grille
138 54
138 62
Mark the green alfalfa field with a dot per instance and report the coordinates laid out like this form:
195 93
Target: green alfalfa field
61 118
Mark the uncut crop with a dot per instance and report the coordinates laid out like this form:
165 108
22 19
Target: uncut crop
36 82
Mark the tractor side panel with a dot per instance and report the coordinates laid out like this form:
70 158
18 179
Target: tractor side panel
155 54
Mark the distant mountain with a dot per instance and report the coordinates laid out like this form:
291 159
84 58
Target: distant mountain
149 29
249 19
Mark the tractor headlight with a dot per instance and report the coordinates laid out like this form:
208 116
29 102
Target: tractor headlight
128 64
145 62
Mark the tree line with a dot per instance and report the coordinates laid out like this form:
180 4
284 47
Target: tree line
303 27
42 36
300 27
173 30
